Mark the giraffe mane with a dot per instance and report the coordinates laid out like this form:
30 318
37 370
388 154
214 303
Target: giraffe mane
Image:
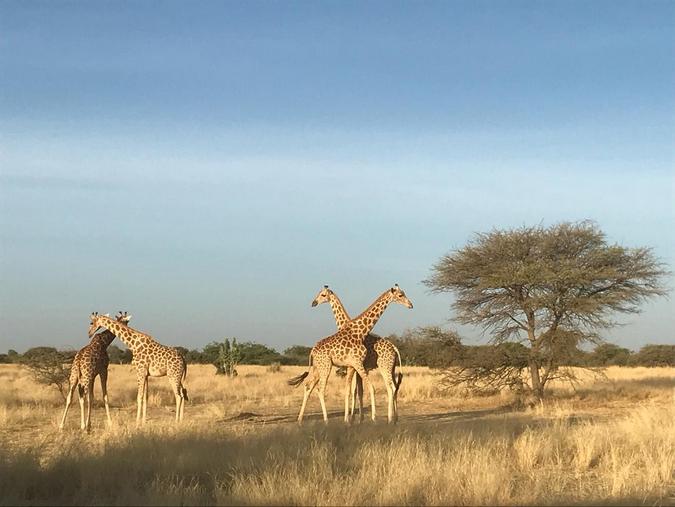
372 305
138 334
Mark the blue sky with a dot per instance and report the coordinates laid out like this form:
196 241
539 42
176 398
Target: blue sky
208 166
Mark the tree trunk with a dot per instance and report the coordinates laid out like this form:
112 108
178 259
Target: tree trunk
537 387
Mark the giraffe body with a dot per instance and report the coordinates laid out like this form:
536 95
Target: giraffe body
150 359
381 354
346 348
89 362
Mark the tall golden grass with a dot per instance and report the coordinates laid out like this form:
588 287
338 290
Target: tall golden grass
607 441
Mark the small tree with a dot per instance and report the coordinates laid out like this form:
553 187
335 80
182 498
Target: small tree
484 369
13 356
297 354
229 356
46 365
654 355
257 353
427 346
608 354
118 355
552 288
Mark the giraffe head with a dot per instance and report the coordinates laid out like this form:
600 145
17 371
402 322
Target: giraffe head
398 296
323 296
123 317
95 321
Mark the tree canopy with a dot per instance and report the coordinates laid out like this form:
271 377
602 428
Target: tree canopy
550 287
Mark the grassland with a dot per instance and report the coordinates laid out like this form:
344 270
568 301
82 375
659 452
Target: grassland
609 441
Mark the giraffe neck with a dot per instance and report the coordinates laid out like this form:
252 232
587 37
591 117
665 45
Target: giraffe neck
339 312
105 338
372 314
130 337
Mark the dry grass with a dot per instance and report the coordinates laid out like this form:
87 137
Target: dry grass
607 442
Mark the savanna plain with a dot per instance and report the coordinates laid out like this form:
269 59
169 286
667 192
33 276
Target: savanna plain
607 440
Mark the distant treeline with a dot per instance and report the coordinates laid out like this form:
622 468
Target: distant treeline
251 353
418 348
438 349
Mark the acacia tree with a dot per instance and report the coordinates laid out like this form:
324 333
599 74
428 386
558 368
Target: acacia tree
48 366
551 288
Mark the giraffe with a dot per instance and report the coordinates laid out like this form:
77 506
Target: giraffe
150 358
90 361
346 348
382 354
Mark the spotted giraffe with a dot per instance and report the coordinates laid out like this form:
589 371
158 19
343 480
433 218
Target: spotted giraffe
91 361
346 348
381 354
150 358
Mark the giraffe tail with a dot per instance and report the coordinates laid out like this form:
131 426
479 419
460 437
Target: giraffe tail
296 381
182 384
399 376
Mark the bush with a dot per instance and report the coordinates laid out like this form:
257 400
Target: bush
46 365
228 358
257 353
654 355
427 346
118 355
274 368
608 354
297 355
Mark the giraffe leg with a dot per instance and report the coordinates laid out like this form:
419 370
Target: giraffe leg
389 384
357 389
364 375
104 392
358 393
139 404
393 376
348 391
139 395
182 402
69 401
80 394
145 399
179 398
90 399
308 388
323 380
